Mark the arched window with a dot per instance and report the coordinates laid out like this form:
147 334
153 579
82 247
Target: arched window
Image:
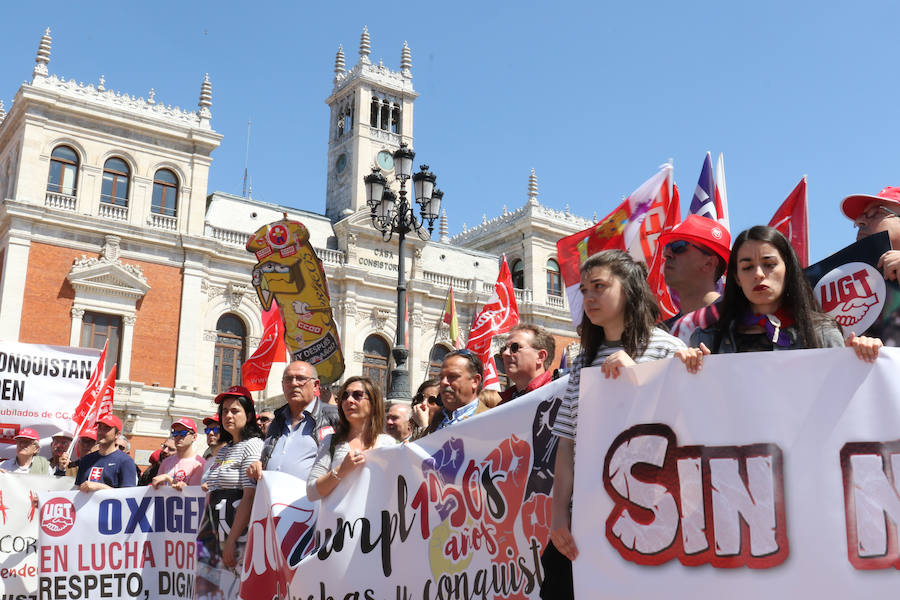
436 360
376 360
385 115
554 279
165 193
63 171
229 352
395 119
375 110
115 182
518 274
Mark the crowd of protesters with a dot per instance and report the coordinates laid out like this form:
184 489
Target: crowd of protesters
767 305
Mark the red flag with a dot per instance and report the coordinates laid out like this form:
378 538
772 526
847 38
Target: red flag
498 316
92 394
271 349
792 219
656 278
105 405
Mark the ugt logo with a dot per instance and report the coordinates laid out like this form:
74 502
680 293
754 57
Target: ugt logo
852 295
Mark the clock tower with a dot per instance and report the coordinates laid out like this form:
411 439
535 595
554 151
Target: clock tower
371 114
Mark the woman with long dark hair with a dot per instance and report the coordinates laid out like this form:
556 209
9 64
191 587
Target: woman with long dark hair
768 304
617 330
230 495
361 413
426 408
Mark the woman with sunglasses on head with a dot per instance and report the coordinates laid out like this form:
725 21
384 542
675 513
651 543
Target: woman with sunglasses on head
361 413
768 304
617 330
426 406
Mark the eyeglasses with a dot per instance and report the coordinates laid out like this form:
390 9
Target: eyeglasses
513 348
180 433
301 379
210 430
679 246
883 211
121 447
263 419
435 401
358 395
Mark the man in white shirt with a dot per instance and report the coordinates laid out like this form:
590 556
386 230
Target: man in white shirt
26 460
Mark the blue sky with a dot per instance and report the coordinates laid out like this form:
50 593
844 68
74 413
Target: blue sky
593 95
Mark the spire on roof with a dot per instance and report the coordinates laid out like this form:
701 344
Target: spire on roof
2 112
444 230
43 56
339 62
364 47
405 61
205 100
532 188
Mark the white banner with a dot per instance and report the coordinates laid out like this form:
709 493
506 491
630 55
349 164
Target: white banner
121 543
40 386
463 513
766 475
19 530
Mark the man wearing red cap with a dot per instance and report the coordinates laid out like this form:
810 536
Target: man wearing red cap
870 215
107 467
26 460
696 253
185 467
213 442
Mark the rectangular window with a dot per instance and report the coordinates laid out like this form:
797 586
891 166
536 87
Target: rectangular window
96 329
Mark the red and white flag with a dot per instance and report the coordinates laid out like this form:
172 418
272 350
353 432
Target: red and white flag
656 278
85 413
792 219
271 349
499 315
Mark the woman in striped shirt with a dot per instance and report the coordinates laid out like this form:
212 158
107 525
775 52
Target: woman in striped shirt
617 330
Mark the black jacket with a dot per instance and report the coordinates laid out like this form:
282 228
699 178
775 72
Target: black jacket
325 415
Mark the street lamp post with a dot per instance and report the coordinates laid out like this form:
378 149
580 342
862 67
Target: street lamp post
393 214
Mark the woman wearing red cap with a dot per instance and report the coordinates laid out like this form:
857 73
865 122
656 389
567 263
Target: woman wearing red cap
768 304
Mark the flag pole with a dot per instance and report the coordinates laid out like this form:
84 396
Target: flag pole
437 330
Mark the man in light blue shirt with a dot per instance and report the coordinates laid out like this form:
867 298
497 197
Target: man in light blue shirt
294 434
461 377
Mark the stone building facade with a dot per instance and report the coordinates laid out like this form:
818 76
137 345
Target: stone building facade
108 231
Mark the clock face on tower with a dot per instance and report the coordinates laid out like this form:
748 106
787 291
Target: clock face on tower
385 160
341 163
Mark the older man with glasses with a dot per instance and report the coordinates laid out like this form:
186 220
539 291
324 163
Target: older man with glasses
26 459
461 376
871 215
299 425
527 356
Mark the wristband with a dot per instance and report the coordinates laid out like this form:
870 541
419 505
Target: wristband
336 476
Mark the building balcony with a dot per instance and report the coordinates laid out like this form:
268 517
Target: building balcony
61 201
162 222
113 212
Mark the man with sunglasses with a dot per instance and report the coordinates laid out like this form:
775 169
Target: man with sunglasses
696 253
870 215
461 376
298 427
184 467
264 419
527 357
211 430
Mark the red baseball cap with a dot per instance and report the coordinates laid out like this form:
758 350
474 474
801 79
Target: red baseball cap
235 390
154 458
89 433
852 206
213 420
186 423
703 231
111 420
27 434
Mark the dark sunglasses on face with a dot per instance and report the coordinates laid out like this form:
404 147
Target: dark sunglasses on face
181 433
358 395
679 246
263 419
513 348
210 430
434 400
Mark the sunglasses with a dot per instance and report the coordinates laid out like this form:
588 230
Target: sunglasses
120 447
210 430
181 433
263 419
679 246
513 348
435 401
358 395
